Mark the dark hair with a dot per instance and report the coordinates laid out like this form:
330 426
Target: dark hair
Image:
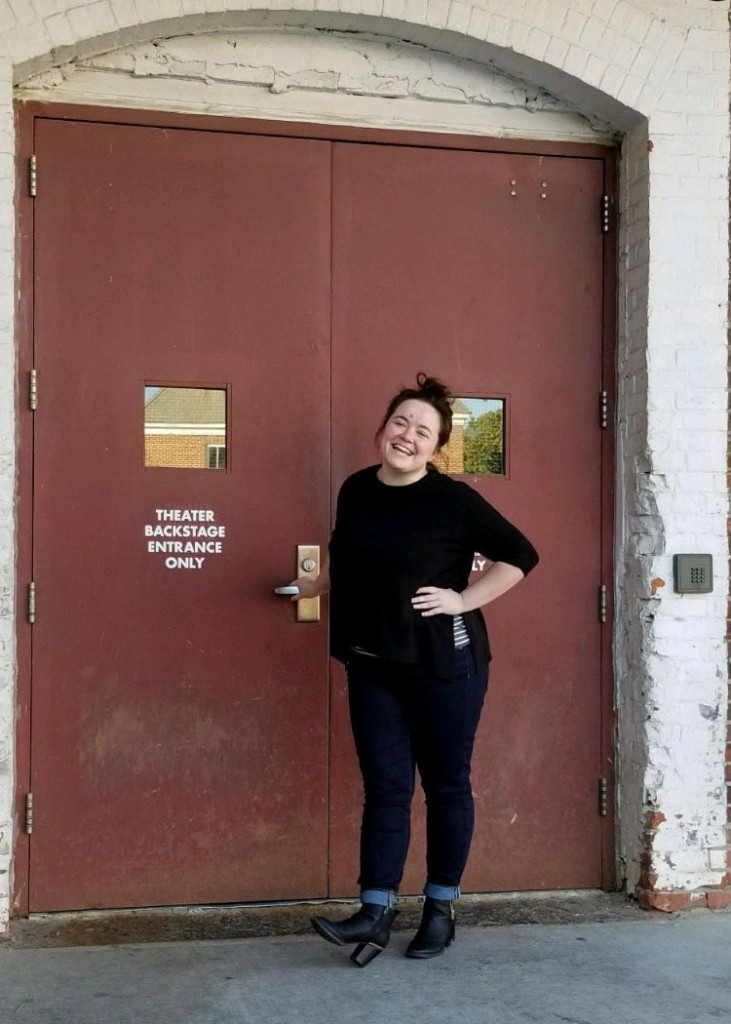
432 391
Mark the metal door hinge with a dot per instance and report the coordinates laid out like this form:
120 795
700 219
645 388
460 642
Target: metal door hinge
33 390
33 175
29 813
603 796
603 409
31 603
603 602
605 214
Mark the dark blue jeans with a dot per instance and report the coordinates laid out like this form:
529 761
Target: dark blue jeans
402 718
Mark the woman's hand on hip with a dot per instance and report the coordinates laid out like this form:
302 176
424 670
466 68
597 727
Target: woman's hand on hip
437 601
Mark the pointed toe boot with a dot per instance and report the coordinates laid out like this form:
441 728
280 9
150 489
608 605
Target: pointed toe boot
369 928
435 932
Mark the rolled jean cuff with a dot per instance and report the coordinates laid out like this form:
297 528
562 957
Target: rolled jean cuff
381 897
442 892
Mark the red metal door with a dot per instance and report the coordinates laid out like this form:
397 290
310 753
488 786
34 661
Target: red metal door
180 715
179 751
486 269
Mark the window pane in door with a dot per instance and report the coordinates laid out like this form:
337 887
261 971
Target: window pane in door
477 446
185 428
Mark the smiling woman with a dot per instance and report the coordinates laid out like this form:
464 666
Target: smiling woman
405 620
408 441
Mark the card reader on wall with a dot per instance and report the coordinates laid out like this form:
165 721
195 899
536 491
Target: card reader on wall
693 574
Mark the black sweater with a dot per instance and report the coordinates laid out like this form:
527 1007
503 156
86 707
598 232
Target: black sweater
389 541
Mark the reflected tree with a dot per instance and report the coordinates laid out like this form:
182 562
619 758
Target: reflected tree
483 444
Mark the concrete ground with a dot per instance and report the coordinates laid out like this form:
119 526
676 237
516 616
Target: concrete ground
622 967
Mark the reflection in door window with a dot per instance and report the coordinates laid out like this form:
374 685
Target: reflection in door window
185 428
216 456
477 445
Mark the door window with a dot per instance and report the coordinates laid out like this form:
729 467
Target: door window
185 428
478 445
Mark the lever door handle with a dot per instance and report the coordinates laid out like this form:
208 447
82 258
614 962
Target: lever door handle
308 565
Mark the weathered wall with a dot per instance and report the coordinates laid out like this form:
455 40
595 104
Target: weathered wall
672 703
305 74
657 72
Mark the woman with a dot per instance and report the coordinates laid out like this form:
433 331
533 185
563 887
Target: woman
406 623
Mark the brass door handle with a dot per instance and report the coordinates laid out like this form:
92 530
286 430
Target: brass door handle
308 565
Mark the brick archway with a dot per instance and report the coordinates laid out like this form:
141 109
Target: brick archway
621 62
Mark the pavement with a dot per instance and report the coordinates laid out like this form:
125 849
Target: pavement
619 966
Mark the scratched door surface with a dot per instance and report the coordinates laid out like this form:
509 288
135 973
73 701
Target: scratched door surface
188 307
486 269
179 748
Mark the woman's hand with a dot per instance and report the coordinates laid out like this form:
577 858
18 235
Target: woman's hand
496 580
309 587
436 601
306 586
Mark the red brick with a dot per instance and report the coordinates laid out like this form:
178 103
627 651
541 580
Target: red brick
183 451
653 819
719 900
667 902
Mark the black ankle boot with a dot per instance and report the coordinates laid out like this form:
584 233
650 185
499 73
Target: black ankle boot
370 927
435 932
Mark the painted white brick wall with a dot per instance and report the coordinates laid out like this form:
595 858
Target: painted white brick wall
686 735
659 72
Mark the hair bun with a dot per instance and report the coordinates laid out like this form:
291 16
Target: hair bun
432 391
433 387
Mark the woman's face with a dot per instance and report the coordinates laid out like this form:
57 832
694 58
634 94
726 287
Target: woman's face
409 440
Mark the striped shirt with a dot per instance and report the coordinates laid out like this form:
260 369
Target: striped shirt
461 638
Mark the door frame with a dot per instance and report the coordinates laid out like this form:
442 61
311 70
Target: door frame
26 114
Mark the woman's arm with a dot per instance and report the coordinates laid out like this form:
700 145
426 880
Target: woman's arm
314 587
496 580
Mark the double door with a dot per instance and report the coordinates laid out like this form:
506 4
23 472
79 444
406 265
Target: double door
220 318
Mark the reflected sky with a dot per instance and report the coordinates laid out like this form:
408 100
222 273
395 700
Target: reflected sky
479 406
